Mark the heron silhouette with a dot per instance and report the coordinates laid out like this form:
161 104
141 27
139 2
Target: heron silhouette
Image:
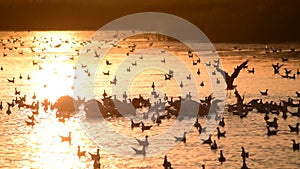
230 79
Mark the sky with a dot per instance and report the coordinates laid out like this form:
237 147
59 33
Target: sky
220 20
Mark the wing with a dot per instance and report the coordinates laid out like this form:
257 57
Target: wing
238 69
224 74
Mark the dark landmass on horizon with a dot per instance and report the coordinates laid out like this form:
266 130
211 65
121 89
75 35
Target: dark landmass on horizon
220 20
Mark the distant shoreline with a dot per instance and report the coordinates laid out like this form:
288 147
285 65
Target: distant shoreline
212 40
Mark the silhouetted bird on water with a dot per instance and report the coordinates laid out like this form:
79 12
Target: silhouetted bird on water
107 62
11 80
153 86
95 156
214 146
30 123
295 145
230 79
133 124
8 111
222 122
145 127
143 142
66 139
80 153
197 124
264 93
220 134
140 152
183 139
222 158
167 164
271 132
294 129
208 141
251 70
273 123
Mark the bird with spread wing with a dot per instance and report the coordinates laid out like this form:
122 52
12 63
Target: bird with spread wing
230 79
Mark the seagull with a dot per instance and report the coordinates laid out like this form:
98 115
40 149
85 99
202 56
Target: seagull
145 127
143 142
30 123
214 146
294 129
271 132
264 93
183 139
189 78
140 152
80 153
106 73
8 111
230 79
222 158
153 86
273 123
181 84
198 71
66 139
251 70
11 81
295 145
97 55
134 63
107 62
208 141
202 84
17 92
222 122
167 164
197 124
95 156
220 134
133 124
168 77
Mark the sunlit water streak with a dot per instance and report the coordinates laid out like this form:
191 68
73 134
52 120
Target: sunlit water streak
23 146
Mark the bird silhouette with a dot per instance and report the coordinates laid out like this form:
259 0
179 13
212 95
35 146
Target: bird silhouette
230 79
167 164
79 152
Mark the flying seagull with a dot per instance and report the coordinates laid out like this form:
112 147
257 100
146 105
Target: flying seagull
230 79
